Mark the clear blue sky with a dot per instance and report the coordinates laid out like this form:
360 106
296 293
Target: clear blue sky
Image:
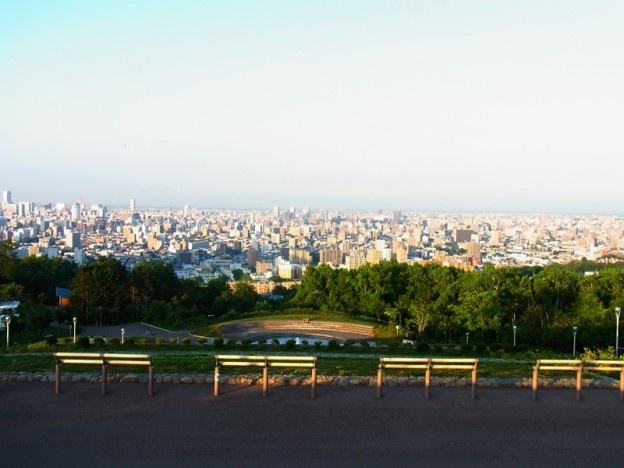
427 105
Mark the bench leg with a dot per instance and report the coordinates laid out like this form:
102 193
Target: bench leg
57 379
379 382
534 384
313 384
473 392
104 378
579 383
427 382
216 381
265 381
150 381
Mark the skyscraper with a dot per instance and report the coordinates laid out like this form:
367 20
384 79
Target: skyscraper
132 205
6 198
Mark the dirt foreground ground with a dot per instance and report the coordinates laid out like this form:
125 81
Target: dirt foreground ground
184 425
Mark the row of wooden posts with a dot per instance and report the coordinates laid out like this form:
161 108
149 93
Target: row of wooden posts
309 362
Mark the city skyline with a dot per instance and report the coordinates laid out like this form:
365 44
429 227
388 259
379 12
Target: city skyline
480 106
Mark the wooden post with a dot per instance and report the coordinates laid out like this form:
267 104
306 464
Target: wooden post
473 392
265 380
534 385
104 377
313 383
579 381
57 377
427 379
379 379
216 381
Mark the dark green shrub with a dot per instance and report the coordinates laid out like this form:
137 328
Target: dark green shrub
129 342
159 340
262 342
422 347
290 344
275 342
246 343
333 344
318 344
113 341
495 347
82 342
173 340
202 340
186 341
98 341
480 348
51 340
466 348
218 343
364 344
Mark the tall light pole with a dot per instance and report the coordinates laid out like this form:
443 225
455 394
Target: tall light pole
515 328
618 310
123 333
7 319
574 330
75 320
467 336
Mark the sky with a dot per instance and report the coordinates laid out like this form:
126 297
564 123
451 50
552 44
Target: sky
499 105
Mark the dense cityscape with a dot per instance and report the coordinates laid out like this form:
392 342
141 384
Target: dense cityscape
281 242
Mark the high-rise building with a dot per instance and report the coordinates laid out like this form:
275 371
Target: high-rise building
132 205
6 198
75 211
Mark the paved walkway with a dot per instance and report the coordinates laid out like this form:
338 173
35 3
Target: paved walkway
184 425
135 330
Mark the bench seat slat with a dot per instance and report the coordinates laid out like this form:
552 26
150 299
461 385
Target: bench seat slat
242 364
291 364
82 361
129 363
406 366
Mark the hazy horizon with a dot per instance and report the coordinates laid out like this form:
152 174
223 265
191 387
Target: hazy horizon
476 106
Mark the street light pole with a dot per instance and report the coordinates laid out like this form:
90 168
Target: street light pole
467 336
7 319
574 329
123 332
618 310
75 319
515 327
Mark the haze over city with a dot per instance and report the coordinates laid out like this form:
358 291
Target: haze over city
476 105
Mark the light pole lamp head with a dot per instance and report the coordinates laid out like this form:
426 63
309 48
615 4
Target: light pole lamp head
75 319
574 328
618 310
515 327
7 319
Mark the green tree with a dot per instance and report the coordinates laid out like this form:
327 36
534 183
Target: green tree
101 289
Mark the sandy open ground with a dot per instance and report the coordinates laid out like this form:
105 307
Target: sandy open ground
184 425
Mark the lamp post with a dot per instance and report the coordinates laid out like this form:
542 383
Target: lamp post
123 332
467 336
7 319
397 329
515 328
618 310
574 330
75 319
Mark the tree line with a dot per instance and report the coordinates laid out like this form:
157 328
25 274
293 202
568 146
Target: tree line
429 301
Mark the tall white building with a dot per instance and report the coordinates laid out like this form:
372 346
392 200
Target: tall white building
132 205
6 198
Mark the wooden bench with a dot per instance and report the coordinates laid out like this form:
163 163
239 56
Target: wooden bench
428 365
578 366
104 360
265 362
